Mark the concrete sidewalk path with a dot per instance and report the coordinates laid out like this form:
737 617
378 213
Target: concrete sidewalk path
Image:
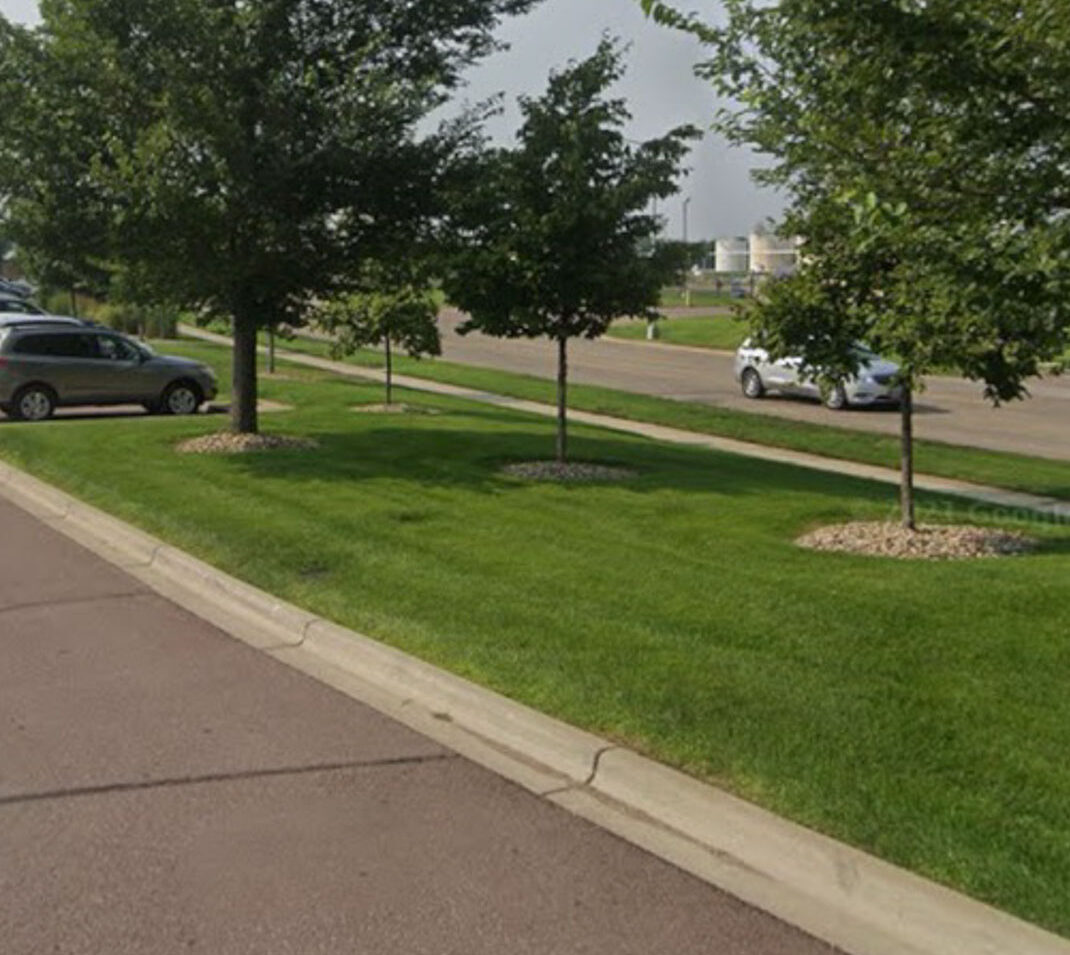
166 789
1016 501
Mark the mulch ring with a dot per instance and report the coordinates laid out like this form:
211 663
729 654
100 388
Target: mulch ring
568 473
395 407
928 542
225 442
263 406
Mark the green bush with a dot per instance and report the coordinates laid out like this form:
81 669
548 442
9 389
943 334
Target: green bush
146 322
211 323
56 303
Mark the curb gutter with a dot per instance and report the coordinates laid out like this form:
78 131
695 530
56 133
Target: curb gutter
854 901
1020 501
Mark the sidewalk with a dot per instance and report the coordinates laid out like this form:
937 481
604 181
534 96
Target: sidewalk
982 494
164 789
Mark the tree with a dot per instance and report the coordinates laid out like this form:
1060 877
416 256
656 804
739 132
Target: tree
924 146
49 127
551 232
251 155
395 309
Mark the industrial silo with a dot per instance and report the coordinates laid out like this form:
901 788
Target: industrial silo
732 255
772 255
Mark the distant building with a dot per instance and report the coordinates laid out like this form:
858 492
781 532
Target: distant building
760 253
772 255
732 255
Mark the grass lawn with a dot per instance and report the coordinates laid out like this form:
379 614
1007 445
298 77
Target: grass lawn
1000 469
700 331
916 710
673 297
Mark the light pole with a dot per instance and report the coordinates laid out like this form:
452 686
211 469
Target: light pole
687 274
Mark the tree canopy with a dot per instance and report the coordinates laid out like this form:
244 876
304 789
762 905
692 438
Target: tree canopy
552 232
923 146
49 131
395 308
245 157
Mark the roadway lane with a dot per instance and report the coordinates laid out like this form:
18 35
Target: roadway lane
950 410
166 789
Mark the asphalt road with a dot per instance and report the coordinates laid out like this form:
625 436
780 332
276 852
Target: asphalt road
166 789
950 410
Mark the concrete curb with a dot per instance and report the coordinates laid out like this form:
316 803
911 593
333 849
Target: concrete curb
852 900
1019 502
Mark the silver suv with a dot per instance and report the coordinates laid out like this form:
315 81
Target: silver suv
46 363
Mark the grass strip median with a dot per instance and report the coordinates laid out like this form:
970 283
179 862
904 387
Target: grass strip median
721 332
677 297
1043 476
916 710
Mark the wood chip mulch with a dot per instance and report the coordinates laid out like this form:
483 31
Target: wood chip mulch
225 442
263 406
928 542
568 473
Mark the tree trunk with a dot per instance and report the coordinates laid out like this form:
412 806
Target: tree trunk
562 399
243 419
74 303
906 459
389 371
271 349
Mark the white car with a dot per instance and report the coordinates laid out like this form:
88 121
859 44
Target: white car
875 383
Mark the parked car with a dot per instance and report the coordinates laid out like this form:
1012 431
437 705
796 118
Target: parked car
48 362
15 287
875 384
16 305
13 318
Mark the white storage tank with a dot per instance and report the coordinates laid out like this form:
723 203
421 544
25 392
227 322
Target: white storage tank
772 255
732 255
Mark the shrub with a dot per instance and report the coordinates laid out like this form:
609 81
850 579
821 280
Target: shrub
145 322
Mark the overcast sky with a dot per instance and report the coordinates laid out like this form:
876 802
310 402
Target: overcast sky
660 88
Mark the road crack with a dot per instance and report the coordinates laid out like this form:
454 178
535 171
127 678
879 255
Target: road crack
76 601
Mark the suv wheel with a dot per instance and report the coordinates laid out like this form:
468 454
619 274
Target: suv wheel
33 403
182 397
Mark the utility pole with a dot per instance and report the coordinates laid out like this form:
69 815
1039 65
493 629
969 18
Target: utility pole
687 274
652 332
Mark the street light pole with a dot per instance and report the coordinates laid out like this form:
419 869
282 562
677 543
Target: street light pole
687 274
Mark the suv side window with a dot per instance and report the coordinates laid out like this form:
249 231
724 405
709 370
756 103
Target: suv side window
29 345
60 346
34 345
113 348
